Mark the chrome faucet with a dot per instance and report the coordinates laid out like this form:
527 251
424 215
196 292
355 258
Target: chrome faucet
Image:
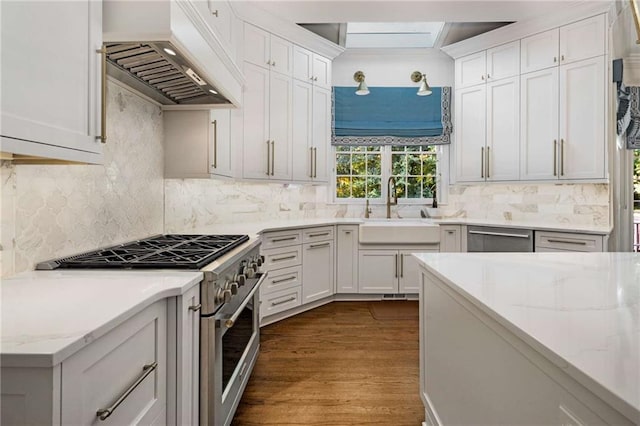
395 196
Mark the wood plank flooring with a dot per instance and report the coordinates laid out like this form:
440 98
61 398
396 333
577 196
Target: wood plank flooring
335 365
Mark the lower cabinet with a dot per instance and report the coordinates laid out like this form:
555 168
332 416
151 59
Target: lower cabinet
450 238
187 387
347 259
317 271
389 271
547 241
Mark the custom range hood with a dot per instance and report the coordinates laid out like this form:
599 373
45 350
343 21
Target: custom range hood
165 50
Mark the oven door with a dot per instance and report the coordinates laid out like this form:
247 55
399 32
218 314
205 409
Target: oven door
232 344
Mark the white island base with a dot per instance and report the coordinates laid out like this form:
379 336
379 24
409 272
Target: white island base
499 348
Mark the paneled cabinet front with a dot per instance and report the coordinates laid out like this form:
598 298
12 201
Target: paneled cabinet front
267 50
347 259
188 358
317 270
51 102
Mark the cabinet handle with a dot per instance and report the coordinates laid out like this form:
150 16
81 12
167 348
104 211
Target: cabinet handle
488 165
215 143
315 162
482 162
561 157
103 95
555 157
214 13
318 235
273 63
147 369
195 308
580 243
315 78
277 240
449 232
284 280
291 299
500 234
555 59
562 57
313 246
269 62
268 159
311 78
402 266
278 259
396 272
347 232
488 76
273 156
311 162
482 77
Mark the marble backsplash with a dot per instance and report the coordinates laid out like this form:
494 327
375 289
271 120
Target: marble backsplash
49 211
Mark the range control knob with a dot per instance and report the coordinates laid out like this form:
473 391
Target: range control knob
223 295
233 287
240 279
250 271
259 259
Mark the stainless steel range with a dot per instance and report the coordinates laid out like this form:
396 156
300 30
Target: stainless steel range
229 325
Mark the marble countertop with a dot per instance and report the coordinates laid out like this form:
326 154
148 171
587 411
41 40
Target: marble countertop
580 310
46 316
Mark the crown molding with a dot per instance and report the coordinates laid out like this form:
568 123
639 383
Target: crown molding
286 30
574 11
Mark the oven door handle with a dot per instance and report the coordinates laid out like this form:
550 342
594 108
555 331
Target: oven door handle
231 320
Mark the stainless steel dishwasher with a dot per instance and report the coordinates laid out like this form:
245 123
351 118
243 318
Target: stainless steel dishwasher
490 239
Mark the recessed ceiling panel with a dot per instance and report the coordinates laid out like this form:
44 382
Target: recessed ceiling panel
392 35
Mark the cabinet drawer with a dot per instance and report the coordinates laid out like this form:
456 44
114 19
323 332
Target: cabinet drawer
282 279
280 301
284 257
132 357
317 234
281 239
567 241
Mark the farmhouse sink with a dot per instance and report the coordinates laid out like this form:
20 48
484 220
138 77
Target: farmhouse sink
394 231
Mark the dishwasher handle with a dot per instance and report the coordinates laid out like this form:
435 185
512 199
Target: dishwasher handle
500 234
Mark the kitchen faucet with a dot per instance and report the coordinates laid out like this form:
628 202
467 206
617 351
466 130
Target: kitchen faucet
395 196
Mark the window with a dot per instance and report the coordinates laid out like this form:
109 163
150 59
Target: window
362 172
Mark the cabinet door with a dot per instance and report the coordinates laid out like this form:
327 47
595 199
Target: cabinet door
256 47
281 55
280 125
317 271
302 64
450 239
302 131
470 70
220 152
503 130
539 124
220 18
322 71
50 103
539 51
583 39
582 118
321 133
256 144
409 272
503 61
188 357
347 259
378 271
98 375
470 127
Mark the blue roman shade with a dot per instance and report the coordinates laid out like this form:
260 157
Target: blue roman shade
391 116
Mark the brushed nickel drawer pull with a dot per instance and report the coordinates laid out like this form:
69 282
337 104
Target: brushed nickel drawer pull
104 413
499 234
396 272
282 302
482 162
215 143
284 280
312 246
402 266
580 243
315 162
103 95
278 259
318 235
277 240
311 163
561 157
488 166
195 308
273 153
268 159
555 157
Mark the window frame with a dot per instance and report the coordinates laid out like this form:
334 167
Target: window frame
442 183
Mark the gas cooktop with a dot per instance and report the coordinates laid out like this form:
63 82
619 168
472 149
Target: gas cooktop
172 251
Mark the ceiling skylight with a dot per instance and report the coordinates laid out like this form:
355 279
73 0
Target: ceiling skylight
392 35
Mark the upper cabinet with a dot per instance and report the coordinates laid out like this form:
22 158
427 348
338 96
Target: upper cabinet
488 65
267 50
569 43
51 97
311 67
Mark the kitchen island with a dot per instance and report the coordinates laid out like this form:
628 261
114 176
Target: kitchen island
530 338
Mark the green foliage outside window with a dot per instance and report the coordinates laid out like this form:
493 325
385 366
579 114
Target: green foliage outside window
414 168
358 172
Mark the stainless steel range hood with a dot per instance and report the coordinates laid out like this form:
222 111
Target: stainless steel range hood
159 71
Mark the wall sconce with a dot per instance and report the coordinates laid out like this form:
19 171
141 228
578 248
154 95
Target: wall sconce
418 77
362 86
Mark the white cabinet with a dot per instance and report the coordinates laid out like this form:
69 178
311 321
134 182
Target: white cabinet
197 144
547 241
450 238
188 358
267 124
489 65
311 67
94 378
317 270
539 51
51 97
347 259
389 271
267 50
488 127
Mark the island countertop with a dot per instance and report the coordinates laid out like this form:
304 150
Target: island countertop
579 310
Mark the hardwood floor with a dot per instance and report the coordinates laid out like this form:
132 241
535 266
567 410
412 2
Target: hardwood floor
335 365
